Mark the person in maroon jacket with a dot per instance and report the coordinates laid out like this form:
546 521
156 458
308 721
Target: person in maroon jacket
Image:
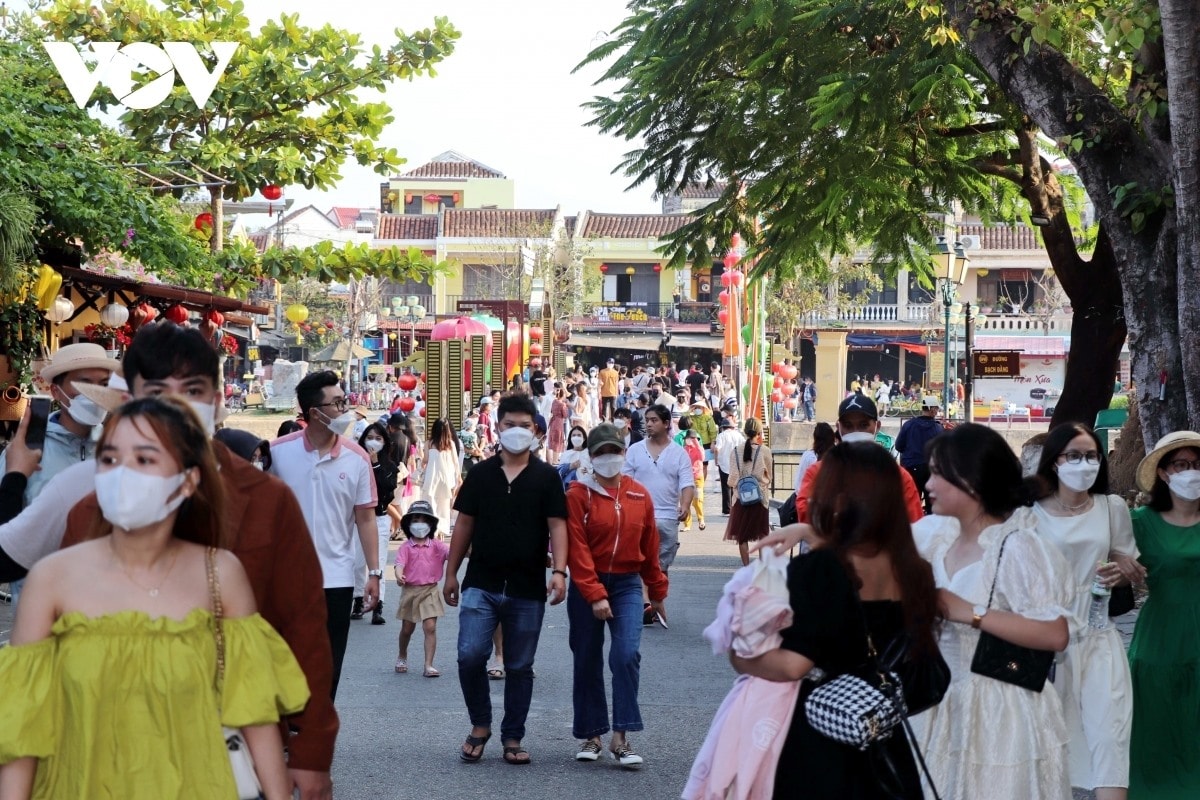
613 549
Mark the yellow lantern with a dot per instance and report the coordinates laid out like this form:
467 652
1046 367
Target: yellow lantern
296 313
47 286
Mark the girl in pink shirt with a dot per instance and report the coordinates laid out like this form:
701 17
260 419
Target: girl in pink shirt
419 565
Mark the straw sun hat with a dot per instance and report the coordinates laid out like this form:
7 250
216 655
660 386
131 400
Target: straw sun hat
1147 470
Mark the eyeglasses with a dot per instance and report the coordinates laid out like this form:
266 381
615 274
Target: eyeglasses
1074 457
1182 464
340 404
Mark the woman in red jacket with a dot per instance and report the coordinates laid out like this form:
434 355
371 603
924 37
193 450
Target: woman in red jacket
613 550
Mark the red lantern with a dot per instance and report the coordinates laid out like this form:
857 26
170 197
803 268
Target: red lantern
723 316
777 368
203 220
406 404
408 197
792 387
535 333
790 403
535 363
657 268
726 281
735 241
777 383
177 314
215 317
723 298
776 396
790 372
604 267
407 381
422 412
141 314
730 261
272 192
735 278
535 348
456 196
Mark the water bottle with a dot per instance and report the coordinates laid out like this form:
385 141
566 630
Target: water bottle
1098 613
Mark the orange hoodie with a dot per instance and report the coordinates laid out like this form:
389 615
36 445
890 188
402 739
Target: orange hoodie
612 535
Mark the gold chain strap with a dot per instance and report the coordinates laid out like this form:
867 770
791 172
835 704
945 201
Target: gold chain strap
214 591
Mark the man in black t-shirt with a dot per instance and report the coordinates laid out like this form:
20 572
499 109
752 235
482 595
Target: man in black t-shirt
511 509
695 383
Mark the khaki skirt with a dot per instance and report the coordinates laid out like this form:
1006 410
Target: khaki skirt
418 603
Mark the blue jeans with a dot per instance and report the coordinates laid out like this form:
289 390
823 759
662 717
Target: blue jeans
810 410
587 644
479 614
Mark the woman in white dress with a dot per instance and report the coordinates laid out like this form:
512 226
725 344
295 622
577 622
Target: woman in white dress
988 738
1094 533
443 472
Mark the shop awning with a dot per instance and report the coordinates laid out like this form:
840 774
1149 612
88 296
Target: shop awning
700 341
616 341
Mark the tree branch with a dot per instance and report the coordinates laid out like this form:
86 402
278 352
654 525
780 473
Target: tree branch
977 129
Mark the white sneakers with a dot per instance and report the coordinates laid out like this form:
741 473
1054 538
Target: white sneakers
590 751
623 754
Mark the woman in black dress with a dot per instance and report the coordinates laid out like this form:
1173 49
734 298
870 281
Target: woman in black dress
862 547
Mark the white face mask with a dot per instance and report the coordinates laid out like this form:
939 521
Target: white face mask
258 465
620 424
1185 485
419 530
207 413
374 445
517 440
577 442
342 424
858 436
85 411
1078 477
608 466
132 500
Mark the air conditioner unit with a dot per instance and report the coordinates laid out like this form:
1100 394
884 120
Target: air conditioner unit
969 242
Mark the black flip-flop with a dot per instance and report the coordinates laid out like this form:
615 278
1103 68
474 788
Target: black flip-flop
473 742
512 751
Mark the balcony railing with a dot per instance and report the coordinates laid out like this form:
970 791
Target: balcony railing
1033 324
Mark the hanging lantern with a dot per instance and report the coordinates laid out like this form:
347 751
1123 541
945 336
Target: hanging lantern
456 196
114 315
790 371
392 336
215 317
141 314
535 333
730 261
406 404
177 314
777 383
657 267
723 316
296 313
204 221
735 241
630 270
726 280
735 278
408 198
790 403
791 387
421 413
777 368
535 363
272 192
604 267
48 284
307 328
776 396
61 311
723 298
747 334
407 381
535 348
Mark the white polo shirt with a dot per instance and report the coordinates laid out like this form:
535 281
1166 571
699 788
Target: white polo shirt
665 478
329 488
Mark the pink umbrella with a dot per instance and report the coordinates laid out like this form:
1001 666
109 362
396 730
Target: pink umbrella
464 328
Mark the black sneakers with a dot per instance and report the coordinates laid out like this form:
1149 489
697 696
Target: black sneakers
356 611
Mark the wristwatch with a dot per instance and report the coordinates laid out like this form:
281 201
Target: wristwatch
374 573
977 615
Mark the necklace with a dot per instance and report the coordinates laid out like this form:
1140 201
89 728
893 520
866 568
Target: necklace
1072 509
150 590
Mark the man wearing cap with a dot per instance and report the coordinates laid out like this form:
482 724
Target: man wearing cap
858 421
610 380
68 430
915 435
265 530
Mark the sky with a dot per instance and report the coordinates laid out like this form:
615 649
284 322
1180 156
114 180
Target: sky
506 98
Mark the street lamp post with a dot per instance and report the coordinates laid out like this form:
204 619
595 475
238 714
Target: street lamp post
954 263
412 312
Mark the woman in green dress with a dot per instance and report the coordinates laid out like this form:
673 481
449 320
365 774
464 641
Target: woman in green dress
1164 657
112 686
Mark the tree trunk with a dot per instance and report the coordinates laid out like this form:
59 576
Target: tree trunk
1180 28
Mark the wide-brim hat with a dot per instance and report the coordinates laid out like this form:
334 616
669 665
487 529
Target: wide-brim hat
84 355
1147 470
419 508
110 397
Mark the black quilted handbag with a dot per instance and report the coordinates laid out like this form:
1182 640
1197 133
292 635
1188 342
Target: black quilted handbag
1008 662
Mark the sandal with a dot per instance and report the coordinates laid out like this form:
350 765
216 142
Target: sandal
702 526
474 742
513 753
432 672
495 673
401 665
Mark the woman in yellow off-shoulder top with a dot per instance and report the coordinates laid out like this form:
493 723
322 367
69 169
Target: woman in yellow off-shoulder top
110 685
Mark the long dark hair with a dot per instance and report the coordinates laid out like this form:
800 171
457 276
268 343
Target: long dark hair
977 460
823 439
752 429
858 508
1045 480
201 517
388 454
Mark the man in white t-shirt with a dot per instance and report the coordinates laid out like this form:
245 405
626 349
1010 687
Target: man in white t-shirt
332 479
664 468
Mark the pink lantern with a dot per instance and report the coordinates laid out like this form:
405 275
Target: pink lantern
735 241
790 403
776 396
535 348
777 383
777 368
723 316
723 298
735 278
464 328
730 261
789 372
535 333
726 279
792 387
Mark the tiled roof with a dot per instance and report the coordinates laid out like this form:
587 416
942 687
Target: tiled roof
407 226
569 224
700 190
507 223
260 240
343 216
452 165
1003 237
634 226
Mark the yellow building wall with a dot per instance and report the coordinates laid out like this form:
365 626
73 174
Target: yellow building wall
473 192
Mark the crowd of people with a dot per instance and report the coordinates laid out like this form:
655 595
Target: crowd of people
155 556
